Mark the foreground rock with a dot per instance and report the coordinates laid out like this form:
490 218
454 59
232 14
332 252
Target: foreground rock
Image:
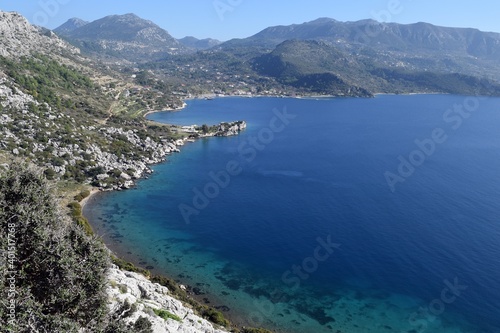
144 297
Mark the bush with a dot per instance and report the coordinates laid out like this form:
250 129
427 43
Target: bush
254 330
215 316
82 195
77 216
128 266
143 325
166 315
60 271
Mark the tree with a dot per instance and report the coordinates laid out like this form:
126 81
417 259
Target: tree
58 272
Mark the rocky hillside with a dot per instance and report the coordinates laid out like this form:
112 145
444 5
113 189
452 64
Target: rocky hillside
132 296
124 37
56 111
20 38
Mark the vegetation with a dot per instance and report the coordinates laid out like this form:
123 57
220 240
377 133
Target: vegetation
82 195
128 266
57 85
57 270
255 330
166 315
77 215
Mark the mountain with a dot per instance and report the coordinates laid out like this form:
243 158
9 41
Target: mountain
388 36
70 25
419 46
124 37
199 44
319 67
20 38
313 66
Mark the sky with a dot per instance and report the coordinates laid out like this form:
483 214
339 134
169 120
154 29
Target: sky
226 19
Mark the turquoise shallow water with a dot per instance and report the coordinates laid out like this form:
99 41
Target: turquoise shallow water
331 215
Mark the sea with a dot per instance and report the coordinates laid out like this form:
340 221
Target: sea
339 215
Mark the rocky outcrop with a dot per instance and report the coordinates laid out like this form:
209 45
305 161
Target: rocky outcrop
230 129
20 38
132 296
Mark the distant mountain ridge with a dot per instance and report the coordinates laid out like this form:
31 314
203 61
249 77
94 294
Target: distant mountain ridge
393 36
323 56
123 36
70 25
199 44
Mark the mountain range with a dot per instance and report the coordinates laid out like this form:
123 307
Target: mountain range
324 56
128 37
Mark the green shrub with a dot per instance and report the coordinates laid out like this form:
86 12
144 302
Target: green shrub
254 330
142 325
128 266
82 195
166 315
215 316
77 216
61 271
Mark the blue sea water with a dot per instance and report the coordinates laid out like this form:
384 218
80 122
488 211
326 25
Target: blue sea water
327 215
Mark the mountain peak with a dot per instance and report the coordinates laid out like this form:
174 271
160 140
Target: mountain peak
323 20
125 36
70 25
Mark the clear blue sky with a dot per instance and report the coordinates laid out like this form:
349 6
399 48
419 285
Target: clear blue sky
226 19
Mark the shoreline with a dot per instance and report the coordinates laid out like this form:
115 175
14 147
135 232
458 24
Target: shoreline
214 96
130 256
93 192
206 299
115 249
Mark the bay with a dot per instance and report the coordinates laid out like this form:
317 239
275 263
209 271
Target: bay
327 215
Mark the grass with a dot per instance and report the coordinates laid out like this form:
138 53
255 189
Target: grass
166 315
128 266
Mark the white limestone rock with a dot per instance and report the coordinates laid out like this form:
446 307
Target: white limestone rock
138 290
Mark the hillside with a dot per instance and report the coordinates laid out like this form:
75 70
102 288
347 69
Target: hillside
324 56
328 57
71 116
123 37
319 67
419 46
20 38
198 44
63 129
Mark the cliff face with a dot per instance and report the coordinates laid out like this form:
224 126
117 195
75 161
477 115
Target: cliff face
145 297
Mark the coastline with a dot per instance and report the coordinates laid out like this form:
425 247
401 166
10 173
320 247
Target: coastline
130 257
134 258
93 192
213 96
127 255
